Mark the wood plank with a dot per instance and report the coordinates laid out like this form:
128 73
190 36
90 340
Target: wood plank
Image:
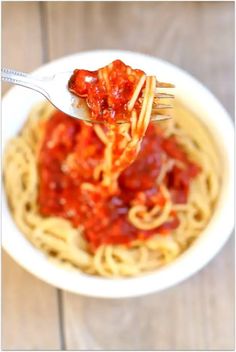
218 63
30 307
30 310
21 37
197 36
195 315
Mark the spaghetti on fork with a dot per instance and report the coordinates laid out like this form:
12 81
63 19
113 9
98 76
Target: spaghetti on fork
124 99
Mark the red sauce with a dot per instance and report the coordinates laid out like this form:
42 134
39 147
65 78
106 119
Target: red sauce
69 153
106 98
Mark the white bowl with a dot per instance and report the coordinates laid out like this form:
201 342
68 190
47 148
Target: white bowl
16 105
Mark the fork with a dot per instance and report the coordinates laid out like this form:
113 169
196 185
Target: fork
55 89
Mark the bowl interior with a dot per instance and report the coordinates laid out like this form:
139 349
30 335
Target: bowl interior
15 107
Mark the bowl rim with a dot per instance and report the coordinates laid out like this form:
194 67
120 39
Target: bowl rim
188 262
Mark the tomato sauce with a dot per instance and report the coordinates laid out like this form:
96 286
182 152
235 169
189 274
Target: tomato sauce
69 153
107 98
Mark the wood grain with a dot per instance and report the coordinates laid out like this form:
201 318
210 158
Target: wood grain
197 314
30 310
199 37
30 307
21 37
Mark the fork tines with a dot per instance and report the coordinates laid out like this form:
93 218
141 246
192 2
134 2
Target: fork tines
158 117
163 95
164 85
157 106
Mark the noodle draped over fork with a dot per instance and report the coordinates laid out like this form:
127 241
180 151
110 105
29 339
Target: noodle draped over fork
132 133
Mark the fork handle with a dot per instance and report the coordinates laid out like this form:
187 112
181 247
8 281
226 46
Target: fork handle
23 79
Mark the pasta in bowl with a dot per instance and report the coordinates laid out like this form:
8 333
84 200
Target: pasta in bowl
173 205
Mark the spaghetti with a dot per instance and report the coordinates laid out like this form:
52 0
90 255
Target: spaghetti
65 198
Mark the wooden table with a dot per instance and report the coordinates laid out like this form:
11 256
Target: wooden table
197 314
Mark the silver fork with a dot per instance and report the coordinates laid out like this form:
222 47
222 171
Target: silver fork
55 89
